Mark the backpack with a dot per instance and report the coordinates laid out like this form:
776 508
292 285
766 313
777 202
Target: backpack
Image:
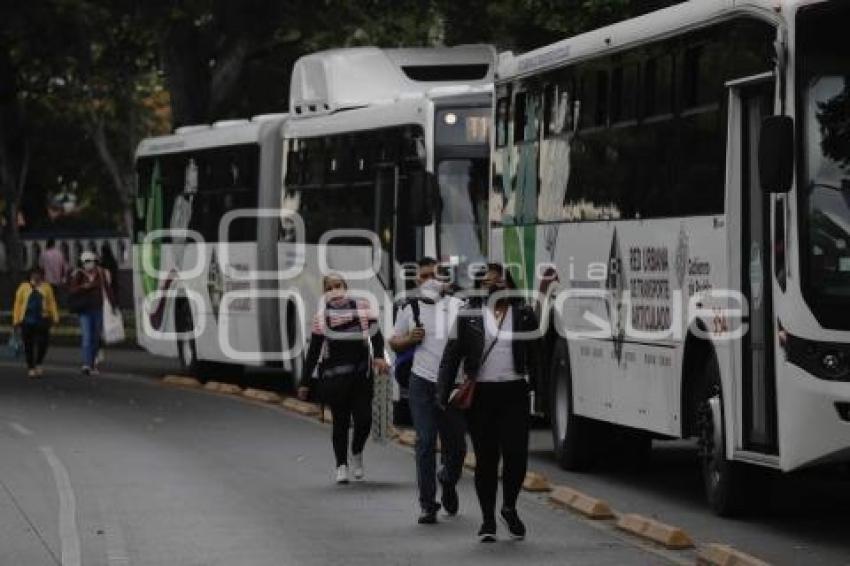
403 366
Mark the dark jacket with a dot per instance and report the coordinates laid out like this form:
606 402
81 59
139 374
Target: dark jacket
350 353
92 290
467 345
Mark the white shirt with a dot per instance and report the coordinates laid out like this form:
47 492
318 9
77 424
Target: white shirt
499 365
437 319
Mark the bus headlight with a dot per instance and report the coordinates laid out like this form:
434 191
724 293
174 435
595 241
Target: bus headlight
825 360
834 363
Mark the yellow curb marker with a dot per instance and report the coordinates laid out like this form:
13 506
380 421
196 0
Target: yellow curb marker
536 482
469 461
181 381
261 395
588 506
220 387
715 554
407 437
301 407
656 531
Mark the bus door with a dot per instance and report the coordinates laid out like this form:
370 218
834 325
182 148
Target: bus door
751 100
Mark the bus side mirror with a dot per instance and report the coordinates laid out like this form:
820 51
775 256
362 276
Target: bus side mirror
776 154
421 197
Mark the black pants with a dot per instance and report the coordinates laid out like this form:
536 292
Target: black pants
355 406
430 422
498 425
35 337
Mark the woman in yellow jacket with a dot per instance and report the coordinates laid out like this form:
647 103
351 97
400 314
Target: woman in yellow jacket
35 310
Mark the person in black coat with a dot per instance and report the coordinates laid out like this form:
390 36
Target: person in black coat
495 340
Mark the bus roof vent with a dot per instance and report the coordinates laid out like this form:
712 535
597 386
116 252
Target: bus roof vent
229 123
191 129
338 79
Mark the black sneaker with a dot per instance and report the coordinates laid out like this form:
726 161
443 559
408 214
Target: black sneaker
429 516
449 498
487 532
512 521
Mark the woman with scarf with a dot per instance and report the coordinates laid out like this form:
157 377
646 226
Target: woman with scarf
339 344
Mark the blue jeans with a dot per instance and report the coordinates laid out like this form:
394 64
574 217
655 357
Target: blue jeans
91 325
429 421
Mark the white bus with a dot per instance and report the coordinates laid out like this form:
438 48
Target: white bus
642 169
384 157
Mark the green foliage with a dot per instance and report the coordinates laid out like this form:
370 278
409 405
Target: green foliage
92 77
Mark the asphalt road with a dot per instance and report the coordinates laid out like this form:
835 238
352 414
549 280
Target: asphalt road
118 470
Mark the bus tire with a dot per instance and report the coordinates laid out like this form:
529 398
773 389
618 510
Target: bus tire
291 343
571 434
724 480
187 349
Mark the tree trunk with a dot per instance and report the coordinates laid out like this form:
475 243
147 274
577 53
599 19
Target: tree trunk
122 180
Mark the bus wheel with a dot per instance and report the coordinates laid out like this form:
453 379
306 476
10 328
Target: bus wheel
723 479
570 433
291 343
186 347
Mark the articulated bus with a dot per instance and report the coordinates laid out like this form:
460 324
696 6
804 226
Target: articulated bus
383 157
674 190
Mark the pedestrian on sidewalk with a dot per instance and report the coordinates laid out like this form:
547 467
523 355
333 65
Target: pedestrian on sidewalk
422 328
492 343
342 331
89 286
34 312
56 270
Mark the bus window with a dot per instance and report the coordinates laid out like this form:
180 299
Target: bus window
624 90
463 215
502 114
519 117
658 86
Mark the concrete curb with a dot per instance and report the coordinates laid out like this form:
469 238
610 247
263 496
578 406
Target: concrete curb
301 407
590 507
406 437
716 554
221 387
261 395
536 483
667 536
181 381
469 461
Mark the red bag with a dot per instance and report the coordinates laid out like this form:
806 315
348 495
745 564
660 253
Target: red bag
463 395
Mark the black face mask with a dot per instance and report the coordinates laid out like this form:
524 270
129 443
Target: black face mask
495 288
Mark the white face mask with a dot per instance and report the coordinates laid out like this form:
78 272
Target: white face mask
432 288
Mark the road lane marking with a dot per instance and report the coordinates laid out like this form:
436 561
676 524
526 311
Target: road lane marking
29 521
20 429
68 534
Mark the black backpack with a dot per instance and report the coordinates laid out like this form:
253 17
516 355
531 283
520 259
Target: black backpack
403 366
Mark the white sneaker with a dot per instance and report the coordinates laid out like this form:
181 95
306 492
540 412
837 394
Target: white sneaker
357 466
342 474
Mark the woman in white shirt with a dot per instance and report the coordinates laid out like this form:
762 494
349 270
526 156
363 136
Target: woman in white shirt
495 340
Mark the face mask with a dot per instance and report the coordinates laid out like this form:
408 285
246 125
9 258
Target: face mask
495 288
335 295
432 287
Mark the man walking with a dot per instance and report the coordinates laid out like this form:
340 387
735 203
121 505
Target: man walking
55 269
423 324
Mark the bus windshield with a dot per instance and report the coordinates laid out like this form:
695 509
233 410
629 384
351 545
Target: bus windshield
463 218
824 80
